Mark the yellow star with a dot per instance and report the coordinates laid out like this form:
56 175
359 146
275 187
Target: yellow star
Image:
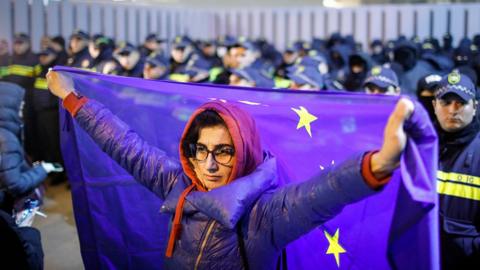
305 119
334 247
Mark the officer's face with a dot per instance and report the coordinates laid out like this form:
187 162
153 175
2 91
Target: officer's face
290 57
94 51
152 45
129 61
357 68
236 56
453 113
46 59
209 50
56 46
211 173
20 47
153 72
375 90
77 44
178 55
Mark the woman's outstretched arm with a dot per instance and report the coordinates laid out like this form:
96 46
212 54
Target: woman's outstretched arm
147 164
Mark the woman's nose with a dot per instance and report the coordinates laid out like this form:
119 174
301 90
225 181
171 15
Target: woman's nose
210 163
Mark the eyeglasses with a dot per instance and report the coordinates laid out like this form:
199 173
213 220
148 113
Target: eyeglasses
222 153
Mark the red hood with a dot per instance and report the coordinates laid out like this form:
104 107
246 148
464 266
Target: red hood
246 140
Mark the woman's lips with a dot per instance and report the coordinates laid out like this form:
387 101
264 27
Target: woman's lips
213 177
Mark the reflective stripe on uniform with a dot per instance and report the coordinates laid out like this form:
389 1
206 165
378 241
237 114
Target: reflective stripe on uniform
458 177
282 83
179 77
20 70
41 83
458 185
3 71
37 70
214 72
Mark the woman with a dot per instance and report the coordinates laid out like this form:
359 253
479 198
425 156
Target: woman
227 212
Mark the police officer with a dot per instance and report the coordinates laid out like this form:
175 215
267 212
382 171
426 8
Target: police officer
182 50
381 80
229 49
156 68
101 52
79 56
464 53
377 52
152 44
23 62
57 43
45 118
426 88
208 51
130 60
458 178
338 57
447 48
198 69
430 53
289 57
22 70
406 55
358 66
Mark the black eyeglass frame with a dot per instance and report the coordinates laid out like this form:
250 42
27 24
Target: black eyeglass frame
194 146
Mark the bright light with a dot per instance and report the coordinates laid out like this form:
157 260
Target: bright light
332 4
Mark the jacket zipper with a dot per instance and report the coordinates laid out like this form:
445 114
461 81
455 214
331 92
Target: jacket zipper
204 243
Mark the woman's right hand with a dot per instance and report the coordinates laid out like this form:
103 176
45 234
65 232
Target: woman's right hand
59 84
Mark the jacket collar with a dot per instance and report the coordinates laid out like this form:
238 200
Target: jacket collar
228 203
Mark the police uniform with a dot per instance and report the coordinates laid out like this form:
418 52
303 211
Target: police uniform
82 58
458 184
126 49
22 71
105 56
46 119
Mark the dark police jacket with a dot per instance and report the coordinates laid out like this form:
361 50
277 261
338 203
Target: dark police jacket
42 99
81 59
458 184
22 70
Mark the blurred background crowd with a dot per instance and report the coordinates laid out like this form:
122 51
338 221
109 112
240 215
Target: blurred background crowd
407 65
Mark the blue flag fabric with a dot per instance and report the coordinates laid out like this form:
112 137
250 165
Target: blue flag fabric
118 220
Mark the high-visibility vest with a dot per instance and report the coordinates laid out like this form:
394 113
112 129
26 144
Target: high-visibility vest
24 71
40 83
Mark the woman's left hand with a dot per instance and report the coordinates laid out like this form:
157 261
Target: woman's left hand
394 140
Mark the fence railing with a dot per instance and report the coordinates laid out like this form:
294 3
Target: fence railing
279 25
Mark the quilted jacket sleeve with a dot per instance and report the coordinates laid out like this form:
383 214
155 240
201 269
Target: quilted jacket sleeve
295 210
147 164
16 177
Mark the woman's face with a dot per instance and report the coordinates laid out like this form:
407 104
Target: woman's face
211 173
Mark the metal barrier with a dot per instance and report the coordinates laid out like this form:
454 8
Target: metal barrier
278 25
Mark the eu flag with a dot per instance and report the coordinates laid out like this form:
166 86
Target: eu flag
118 220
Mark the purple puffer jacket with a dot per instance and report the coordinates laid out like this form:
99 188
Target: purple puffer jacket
252 207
